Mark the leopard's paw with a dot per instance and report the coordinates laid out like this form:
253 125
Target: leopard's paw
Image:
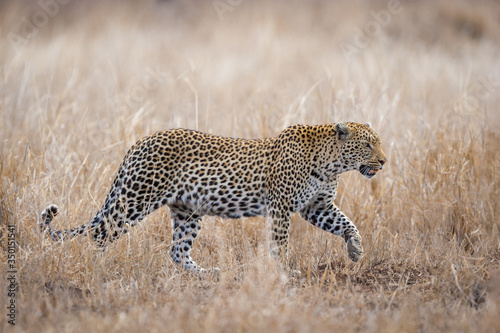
354 248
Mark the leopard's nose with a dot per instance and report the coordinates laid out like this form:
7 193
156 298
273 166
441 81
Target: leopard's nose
382 162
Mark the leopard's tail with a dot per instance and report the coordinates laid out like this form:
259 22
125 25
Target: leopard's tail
58 235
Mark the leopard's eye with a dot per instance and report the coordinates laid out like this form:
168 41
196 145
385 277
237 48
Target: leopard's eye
368 145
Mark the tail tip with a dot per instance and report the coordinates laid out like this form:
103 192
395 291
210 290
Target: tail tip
47 215
52 210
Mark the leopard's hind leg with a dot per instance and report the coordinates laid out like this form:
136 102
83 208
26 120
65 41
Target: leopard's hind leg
185 228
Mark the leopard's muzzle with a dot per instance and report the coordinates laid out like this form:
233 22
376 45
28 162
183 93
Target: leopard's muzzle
369 171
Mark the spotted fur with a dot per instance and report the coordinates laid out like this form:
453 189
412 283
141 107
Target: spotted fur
197 174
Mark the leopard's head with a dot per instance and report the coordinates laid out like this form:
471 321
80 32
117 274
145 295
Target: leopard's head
361 148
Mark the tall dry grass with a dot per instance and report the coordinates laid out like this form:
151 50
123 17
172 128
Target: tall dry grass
100 75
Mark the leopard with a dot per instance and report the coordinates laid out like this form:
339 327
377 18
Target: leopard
197 174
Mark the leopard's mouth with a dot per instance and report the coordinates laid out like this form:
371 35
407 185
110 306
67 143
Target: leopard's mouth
368 171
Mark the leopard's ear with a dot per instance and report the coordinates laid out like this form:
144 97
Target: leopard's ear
343 131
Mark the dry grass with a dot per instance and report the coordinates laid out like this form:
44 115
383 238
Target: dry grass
82 90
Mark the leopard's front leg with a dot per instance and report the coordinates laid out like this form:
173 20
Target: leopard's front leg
278 244
323 214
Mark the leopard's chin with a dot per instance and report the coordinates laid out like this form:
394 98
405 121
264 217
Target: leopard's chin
368 171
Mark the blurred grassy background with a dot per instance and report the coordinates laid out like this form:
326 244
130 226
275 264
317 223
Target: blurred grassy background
81 81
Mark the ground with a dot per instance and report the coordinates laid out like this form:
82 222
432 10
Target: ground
81 82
